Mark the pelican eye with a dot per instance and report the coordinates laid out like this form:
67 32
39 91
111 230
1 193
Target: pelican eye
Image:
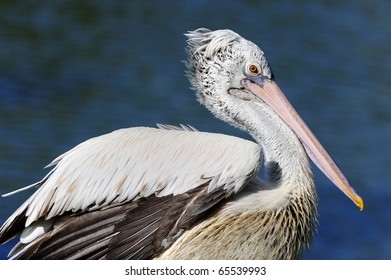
253 69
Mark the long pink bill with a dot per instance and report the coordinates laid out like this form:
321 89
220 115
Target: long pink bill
272 95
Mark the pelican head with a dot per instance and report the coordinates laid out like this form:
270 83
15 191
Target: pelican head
233 79
218 63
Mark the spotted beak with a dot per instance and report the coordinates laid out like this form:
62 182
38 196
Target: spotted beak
271 94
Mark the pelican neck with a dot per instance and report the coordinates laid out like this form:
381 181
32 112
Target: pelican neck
285 159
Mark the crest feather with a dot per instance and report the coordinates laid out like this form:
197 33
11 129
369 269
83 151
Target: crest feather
209 42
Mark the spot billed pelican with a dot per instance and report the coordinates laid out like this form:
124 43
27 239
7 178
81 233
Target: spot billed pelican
177 193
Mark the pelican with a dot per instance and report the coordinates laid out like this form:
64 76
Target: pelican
177 193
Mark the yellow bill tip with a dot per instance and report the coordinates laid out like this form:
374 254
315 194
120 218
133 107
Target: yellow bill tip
360 203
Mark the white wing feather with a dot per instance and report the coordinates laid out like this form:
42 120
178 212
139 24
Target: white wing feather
139 162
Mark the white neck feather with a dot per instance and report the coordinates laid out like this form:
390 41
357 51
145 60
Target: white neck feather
286 167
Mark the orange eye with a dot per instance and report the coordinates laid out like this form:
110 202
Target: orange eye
253 69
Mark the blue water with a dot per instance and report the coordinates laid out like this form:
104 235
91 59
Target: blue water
76 69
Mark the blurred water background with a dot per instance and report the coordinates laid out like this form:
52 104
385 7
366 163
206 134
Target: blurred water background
71 70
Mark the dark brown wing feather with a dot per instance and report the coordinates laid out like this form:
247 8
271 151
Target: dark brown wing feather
137 230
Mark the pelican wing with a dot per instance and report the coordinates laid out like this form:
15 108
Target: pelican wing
137 230
126 174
